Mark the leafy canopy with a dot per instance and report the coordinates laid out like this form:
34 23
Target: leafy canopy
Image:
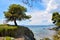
16 12
56 18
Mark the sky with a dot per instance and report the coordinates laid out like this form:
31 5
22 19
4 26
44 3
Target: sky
41 12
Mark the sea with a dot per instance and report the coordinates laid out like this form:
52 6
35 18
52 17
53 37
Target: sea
41 31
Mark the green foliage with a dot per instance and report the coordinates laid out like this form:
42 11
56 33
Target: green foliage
15 31
7 38
47 39
7 30
6 27
56 37
16 12
56 18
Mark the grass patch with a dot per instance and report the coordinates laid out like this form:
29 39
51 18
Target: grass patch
8 38
7 30
6 27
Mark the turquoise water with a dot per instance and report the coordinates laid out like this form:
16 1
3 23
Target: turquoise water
41 31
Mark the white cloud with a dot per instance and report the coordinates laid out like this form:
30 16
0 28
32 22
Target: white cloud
44 17
40 18
51 6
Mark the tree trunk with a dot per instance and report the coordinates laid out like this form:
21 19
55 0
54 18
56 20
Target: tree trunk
15 22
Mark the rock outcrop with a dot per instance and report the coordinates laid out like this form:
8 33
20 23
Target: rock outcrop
19 32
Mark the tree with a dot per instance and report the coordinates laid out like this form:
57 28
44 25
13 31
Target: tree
56 21
16 12
56 18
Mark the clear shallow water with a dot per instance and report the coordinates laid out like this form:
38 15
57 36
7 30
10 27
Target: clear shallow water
41 31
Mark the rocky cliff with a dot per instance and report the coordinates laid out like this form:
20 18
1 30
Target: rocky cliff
19 32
